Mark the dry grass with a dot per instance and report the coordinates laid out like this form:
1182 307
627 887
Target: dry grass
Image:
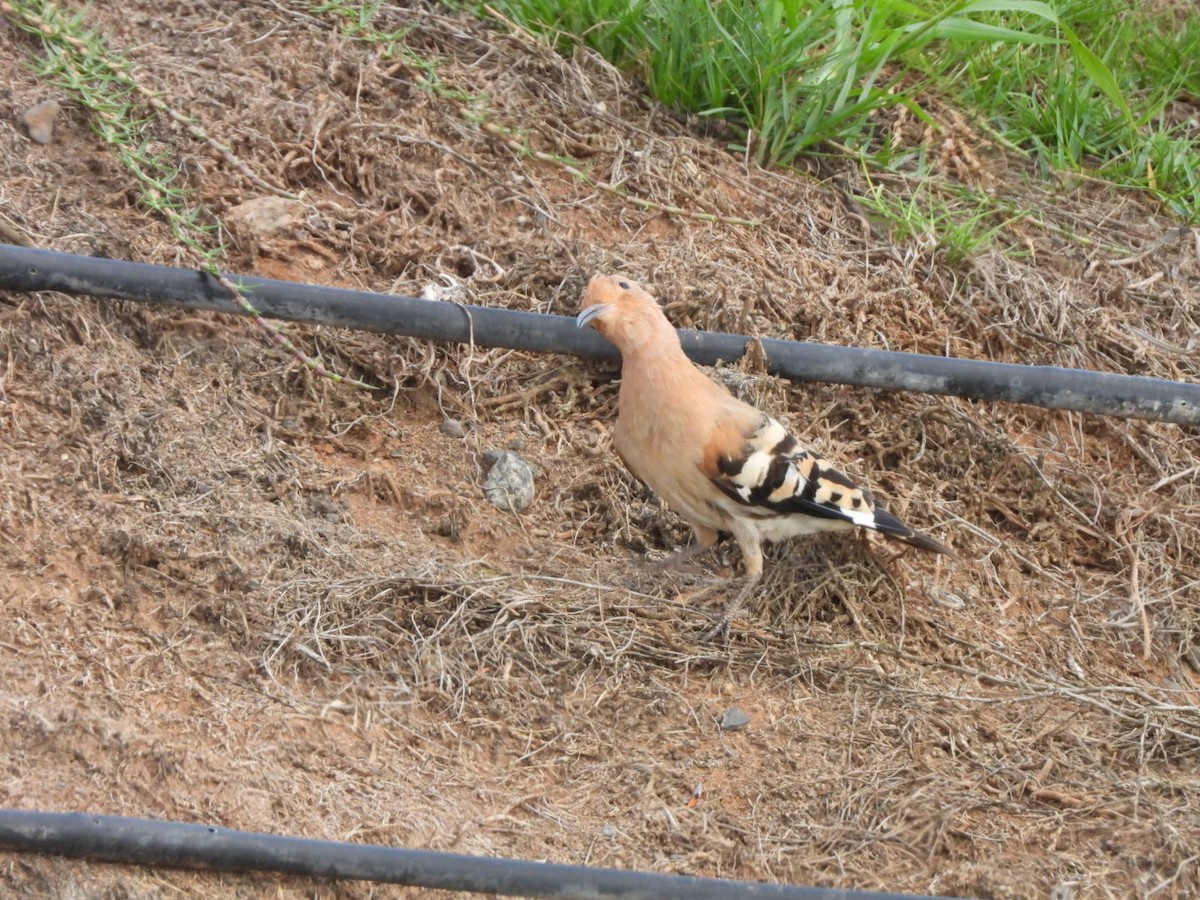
236 594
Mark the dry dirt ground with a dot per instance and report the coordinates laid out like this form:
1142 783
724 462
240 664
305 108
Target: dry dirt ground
237 594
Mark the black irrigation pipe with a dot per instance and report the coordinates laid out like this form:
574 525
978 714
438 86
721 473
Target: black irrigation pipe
149 842
25 269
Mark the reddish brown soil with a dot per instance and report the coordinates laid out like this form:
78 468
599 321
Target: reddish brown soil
234 593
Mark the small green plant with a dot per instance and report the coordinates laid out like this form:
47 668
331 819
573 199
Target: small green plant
78 59
949 220
357 20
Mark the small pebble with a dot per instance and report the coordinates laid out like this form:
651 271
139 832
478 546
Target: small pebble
733 719
453 291
39 120
260 217
509 483
947 600
326 507
452 428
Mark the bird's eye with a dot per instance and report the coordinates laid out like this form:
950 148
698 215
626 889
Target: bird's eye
623 285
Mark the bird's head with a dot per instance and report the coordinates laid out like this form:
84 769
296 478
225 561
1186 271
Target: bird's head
621 310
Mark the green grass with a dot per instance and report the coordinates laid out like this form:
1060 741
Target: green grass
787 74
944 219
1041 101
1087 86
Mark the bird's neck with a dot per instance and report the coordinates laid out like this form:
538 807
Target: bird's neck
661 366
663 352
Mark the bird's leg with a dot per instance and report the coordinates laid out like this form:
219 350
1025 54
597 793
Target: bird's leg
751 546
734 607
677 558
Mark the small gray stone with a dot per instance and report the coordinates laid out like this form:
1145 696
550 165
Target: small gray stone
326 507
452 428
39 120
509 483
733 719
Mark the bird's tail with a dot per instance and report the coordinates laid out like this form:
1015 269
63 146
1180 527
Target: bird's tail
886 523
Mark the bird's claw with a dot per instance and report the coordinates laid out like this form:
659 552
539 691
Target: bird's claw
718 632
679 560
674 563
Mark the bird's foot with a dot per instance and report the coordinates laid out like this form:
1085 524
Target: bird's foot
678 561
717 633
720 629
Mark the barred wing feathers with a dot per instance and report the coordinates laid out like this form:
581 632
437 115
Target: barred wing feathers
771 476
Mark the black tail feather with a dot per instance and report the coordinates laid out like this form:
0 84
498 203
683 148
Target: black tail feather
887 524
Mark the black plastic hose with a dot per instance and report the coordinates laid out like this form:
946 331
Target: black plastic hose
182 845
25 269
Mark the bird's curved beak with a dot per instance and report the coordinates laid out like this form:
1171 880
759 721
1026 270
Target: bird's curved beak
592 312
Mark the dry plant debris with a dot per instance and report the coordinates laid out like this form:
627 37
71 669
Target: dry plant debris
234 593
